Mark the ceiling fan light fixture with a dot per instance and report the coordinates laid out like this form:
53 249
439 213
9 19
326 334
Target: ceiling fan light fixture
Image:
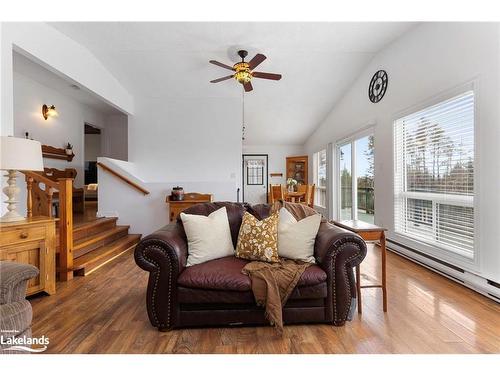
243 73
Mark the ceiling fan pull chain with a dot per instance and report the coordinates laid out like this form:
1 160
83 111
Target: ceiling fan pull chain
243 113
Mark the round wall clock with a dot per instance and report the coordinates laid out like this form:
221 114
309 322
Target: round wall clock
378 86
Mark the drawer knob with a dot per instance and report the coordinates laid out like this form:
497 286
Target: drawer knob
24 235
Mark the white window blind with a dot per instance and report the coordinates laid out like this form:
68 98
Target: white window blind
320 178
434 175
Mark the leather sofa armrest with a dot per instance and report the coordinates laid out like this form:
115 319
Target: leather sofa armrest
330 238
13 279
168 241
163 254
337 251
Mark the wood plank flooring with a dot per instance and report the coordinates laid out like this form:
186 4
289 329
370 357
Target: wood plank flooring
105 312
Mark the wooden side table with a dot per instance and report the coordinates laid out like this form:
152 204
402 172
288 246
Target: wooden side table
32 241
190 199
369 233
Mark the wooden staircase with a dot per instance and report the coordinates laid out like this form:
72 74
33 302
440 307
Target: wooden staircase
98 241
85 242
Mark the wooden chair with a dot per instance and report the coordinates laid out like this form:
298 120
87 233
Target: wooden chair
302 188
309 200
276 192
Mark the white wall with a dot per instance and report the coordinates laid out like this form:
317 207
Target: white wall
115 137
192 143
277 155
146 213
187 139
92 146
68 126
428 61
59 54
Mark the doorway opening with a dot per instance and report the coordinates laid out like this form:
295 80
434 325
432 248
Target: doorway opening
355 176
92 150
255 178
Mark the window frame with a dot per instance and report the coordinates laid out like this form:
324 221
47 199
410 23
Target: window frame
351 139
435 250
316 177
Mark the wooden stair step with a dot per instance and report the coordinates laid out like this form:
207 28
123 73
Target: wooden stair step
88 228
91 227
89 262
94 241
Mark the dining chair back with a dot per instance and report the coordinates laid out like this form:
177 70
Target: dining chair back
309 199
276 192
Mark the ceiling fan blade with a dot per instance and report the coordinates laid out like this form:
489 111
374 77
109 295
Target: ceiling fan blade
221 64
248 86
275 77
221 79
257 59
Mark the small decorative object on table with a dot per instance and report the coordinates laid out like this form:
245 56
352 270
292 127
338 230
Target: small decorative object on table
177 193
291 184
69 149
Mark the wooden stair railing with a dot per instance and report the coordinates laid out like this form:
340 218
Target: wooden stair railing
39 202
123 178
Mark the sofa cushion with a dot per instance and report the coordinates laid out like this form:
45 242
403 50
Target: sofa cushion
191 296
219 274
225 274
209 237
258 239
234 214
297 237
313 275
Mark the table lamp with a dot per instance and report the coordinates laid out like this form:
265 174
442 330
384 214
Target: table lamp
17 154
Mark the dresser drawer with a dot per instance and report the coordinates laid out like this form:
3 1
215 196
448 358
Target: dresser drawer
24 234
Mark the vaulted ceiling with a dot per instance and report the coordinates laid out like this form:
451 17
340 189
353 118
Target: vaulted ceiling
318 62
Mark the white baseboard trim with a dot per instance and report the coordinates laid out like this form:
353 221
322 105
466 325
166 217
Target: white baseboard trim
463 277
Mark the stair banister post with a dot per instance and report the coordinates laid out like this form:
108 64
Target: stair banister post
29 196
65 228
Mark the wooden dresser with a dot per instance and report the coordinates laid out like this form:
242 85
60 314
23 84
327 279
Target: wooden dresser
32 241
190 199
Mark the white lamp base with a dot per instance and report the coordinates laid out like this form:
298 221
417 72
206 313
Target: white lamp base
11 191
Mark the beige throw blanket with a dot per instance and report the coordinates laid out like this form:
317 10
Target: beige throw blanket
272 283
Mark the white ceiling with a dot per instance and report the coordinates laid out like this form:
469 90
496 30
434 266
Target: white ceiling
318 62
38 73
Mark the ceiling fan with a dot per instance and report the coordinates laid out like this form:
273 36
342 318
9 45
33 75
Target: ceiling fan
244 70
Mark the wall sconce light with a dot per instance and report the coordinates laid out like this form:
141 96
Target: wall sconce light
49 111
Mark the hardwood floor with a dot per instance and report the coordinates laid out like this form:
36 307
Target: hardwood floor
105 313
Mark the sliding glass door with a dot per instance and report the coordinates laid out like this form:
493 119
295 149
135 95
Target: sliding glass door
355 158
345 152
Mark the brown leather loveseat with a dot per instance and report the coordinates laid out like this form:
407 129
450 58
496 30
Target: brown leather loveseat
217 293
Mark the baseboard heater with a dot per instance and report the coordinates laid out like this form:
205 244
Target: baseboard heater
486 287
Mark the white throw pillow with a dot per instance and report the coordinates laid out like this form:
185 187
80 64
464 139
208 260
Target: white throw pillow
209 237
296 238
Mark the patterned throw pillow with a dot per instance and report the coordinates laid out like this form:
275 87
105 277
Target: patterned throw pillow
258 240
